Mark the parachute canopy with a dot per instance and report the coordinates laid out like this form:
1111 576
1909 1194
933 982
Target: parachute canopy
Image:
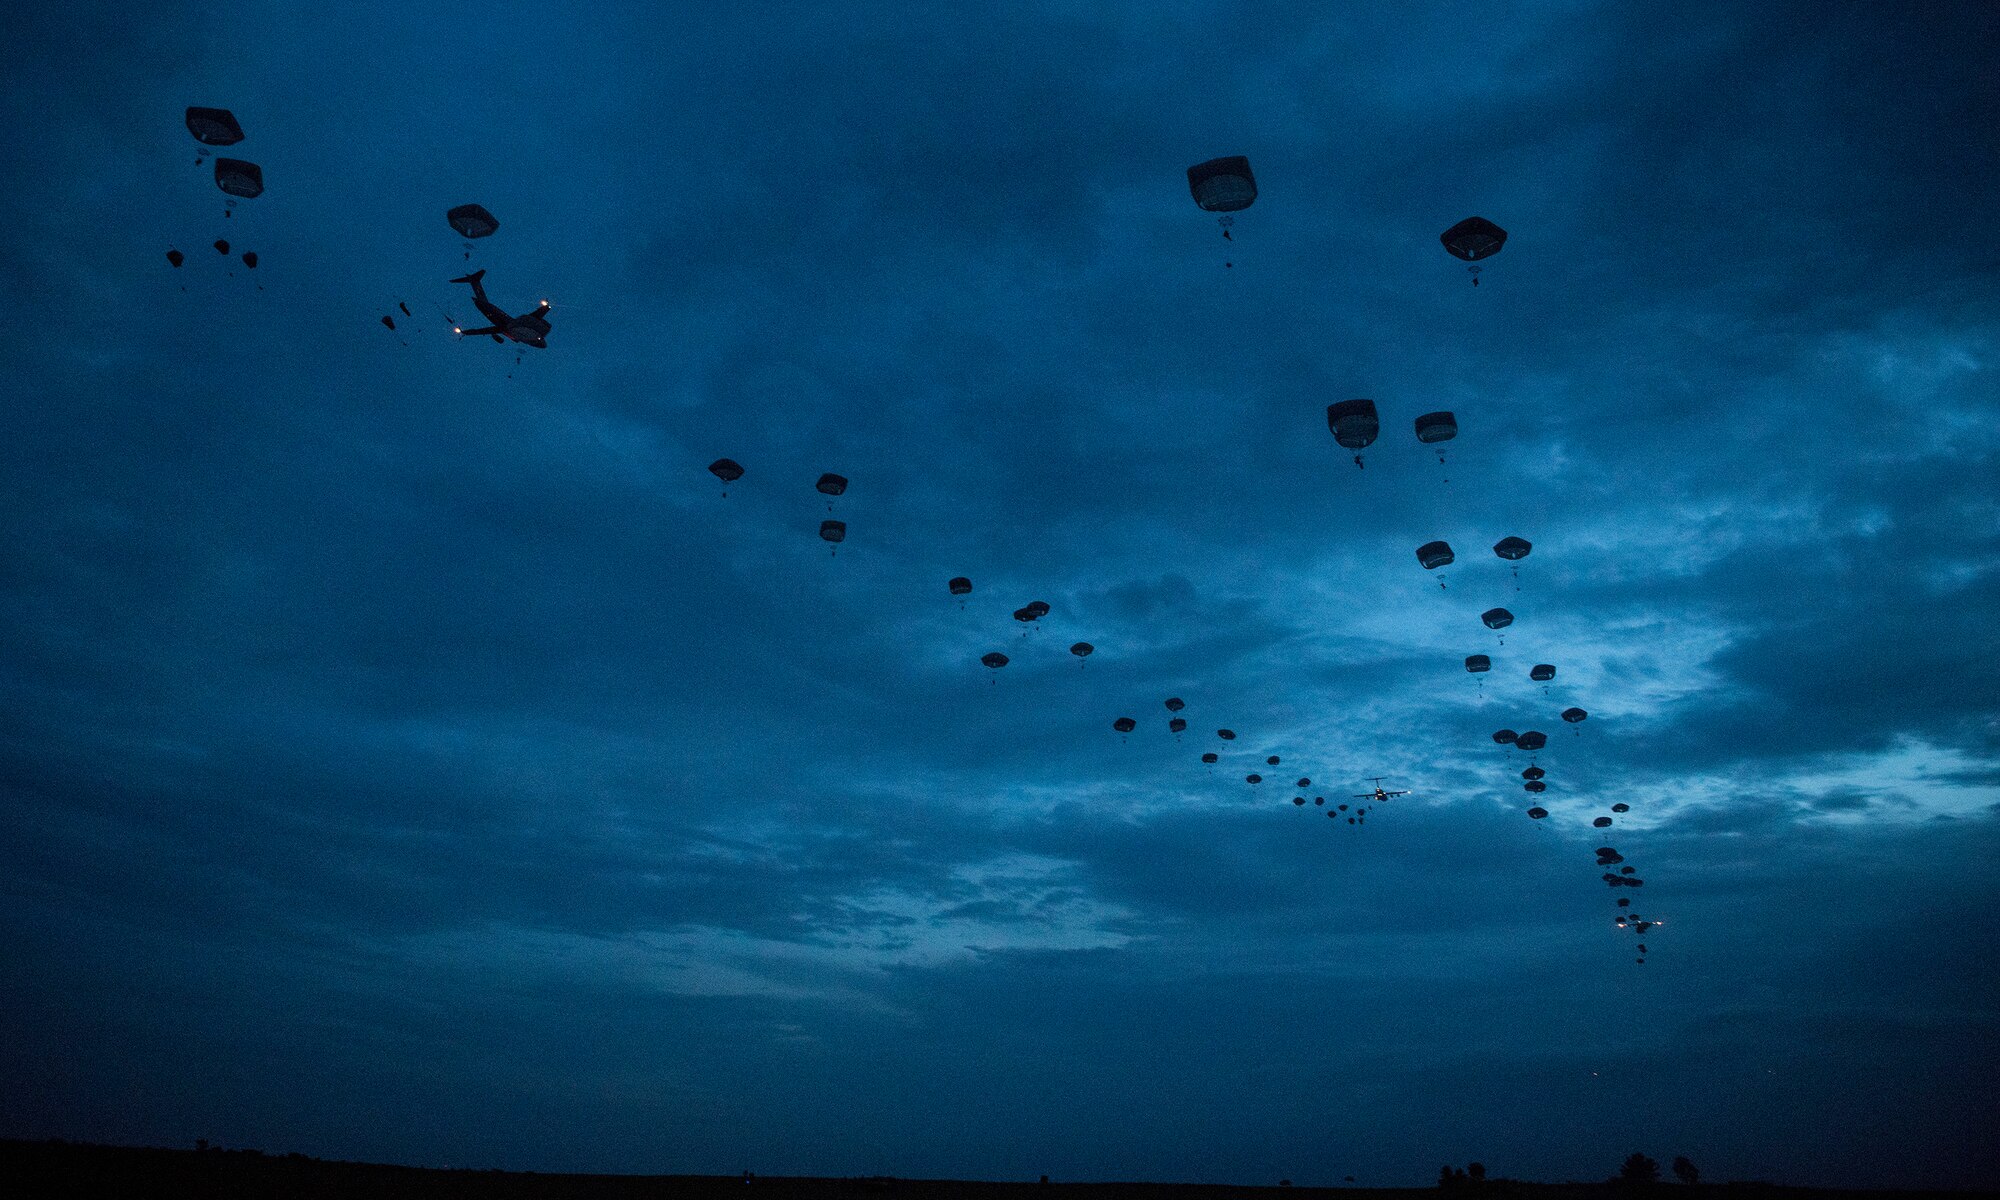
996 660
176 257
1573 715
1176 724
1473 239
1434 555
1497 618
250 259
959 586
1477 663
214 126
1253 777
1533 773
472 221
1538 812
1175 704
1227 735
1532 740
833 531
1504 736
1223 184
222 245
1513 549
1542 672
1436 427
1601 823
1621 808
239 178
1039 608
1124 724
728 470
1299 800
1536 785
1082 649
1304 782
1271 761
388 320
1353 422
1210 757
831 484
1024 614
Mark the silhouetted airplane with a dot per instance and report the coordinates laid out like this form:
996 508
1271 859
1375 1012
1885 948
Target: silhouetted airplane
530 329
1378 795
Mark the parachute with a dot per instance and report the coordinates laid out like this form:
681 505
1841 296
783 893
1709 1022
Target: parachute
1305 783
1476 663
1496 618
1210 757
833 531
1435 428
1532 740
176 257
1038 608
1223 185
250 259
222 245
1124 724
1176 724
214 126
472 221
961 586
1227 735
239 178
1573 715
1354 424
1299 800
1432 555
1082 649
1538 812
1473 239
830 485
389 321
1621 807
1175 704
728 470
1271 761
996 660
1253 778
1504 736
1601 823
1023 614
1541 672
1536 785
1320 801
1533 773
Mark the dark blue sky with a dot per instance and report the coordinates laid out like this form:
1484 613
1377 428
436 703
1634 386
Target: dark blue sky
402 760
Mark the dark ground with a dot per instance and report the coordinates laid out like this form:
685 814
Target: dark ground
62 1169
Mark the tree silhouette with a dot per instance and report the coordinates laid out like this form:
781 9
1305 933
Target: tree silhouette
1477 1171
1685 1171
1639 1169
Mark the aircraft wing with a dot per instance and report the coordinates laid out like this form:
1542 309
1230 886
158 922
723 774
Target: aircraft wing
478 332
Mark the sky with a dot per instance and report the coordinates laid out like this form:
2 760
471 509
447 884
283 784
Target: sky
410 754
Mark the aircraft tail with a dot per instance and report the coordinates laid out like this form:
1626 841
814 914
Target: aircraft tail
473 278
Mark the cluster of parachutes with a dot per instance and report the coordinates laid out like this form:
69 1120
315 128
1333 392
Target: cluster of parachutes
833 532
236 178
